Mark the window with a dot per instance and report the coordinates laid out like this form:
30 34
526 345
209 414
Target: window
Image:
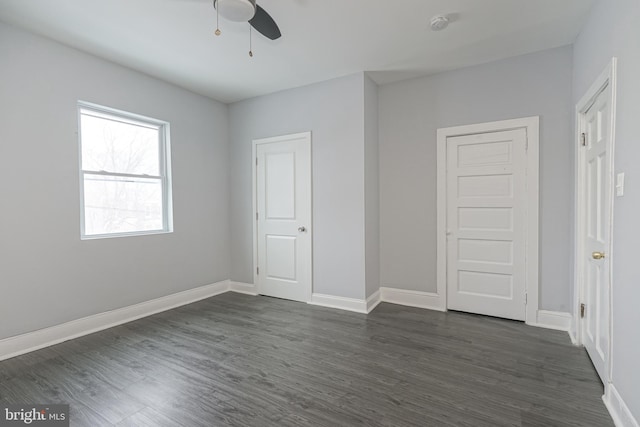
125 173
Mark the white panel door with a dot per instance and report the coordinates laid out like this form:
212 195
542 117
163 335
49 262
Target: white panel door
596 189
486 216
283 201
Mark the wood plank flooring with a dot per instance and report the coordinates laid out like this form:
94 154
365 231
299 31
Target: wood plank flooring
237 360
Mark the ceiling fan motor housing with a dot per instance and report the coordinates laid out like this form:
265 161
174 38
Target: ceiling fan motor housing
236 10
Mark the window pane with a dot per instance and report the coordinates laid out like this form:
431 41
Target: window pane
114 146
121 205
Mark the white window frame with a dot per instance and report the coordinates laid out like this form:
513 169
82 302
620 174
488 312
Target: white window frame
163 128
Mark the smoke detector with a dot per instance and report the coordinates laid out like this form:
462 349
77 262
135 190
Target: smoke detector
439 22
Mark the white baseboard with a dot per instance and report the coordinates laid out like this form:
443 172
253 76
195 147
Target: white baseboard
557 320
20 344
373 301
574 339
545 319
31 341
618 409
428 300
342 303
243 288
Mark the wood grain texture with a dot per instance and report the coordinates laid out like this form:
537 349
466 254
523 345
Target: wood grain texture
237 360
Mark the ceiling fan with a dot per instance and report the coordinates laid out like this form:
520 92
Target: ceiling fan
249 11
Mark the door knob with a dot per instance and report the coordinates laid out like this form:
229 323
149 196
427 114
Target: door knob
597 255
302 229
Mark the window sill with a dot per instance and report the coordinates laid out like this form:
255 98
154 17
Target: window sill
132 234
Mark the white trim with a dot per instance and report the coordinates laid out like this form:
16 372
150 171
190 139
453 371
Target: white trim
373 301
556 320
342 303
572 334
532 126
31 341
254 200
409 298
254 210
560 321
243 288
618 409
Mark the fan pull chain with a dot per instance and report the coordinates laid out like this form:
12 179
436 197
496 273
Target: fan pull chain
250 43
218 32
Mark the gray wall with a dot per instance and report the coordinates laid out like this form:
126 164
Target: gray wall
47 274
410 112
613 30
334 112
371 187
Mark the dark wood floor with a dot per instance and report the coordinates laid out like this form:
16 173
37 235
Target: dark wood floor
257 361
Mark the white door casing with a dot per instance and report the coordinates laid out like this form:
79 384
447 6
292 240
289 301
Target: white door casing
487 205
486 189
594 189
282 206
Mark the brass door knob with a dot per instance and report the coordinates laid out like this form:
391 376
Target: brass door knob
597 255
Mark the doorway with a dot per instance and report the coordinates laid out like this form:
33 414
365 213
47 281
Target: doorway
282 208
488 218
594 206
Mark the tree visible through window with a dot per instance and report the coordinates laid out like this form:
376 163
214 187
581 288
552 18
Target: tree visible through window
125 173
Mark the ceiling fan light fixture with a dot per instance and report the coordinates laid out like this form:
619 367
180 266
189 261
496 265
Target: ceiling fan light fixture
236 10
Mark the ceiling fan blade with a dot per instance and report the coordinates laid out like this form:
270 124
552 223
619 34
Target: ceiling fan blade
265 24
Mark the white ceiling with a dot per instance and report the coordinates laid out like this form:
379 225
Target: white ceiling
322 39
